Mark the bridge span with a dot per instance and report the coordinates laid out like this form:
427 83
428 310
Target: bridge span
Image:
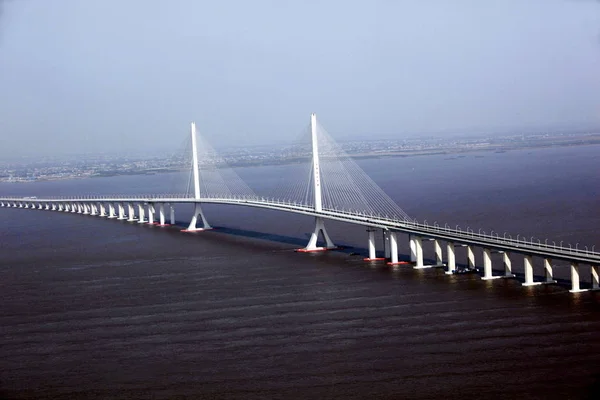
152 209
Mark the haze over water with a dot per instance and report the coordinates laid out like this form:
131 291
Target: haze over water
102 309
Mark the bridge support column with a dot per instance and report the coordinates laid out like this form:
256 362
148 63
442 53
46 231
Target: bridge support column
86 208
46 206
53 206
507 265
470 257
172 209
393 248
372 251
130 212
413 248
102 210
141 210
121 211
74 208
548 271
40 206
528 265
93 209
419 249
575 287
192 227
151 213
314 237
451 258
487 265
161 214
111 210
595 277
438 253
386 245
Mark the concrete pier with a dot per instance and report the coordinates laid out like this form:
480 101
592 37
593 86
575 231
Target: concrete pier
451 258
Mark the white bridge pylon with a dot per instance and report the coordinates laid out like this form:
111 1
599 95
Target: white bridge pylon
196 173
335 184
318 200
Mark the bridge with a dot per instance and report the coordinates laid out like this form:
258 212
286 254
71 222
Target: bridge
337 189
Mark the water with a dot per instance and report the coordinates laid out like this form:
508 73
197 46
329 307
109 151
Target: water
107 309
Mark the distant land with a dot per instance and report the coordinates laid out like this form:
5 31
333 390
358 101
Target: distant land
87 166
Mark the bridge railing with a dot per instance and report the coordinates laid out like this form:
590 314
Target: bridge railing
531 243
356 215
468 233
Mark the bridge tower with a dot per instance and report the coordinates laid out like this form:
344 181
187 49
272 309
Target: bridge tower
196 172
316 174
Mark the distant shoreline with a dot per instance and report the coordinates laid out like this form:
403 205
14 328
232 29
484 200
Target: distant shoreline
460 149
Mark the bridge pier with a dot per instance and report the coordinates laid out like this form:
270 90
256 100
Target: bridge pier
393 248
111 210
74 208
470 257
386 244
451 258
507 265
151 213
438 253
419 250
102 210
575 287
141 219
93 209
172 209
528 265
487 265
371 244
413 248
161 214
314 237
595 280
121 211
86 209
130 212
192 227
548 271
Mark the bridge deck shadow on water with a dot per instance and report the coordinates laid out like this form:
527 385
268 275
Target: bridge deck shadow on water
355 255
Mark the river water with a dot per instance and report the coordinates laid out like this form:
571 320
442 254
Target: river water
93 308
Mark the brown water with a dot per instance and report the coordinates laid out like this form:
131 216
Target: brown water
93 308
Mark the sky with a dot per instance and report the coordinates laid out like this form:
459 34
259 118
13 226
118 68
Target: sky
125 75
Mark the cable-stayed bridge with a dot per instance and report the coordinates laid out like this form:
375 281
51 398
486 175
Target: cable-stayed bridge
332 187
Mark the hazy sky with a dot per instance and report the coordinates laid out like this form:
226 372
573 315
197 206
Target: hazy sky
96 75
